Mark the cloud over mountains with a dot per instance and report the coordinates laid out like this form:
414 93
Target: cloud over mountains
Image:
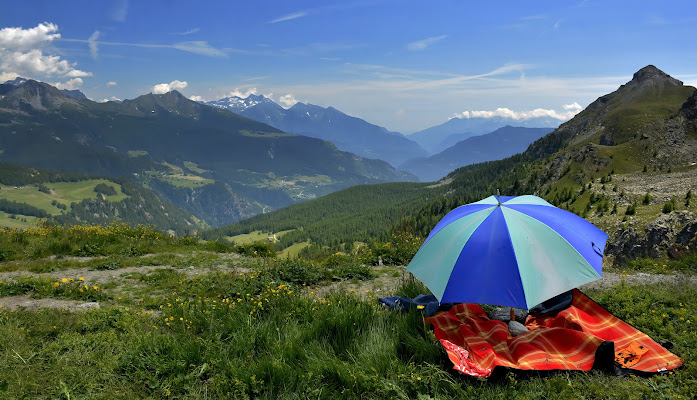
571 110
22 54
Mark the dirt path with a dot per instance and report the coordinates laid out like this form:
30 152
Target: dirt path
385 284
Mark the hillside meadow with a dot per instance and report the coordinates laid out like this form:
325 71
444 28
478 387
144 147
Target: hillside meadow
182 318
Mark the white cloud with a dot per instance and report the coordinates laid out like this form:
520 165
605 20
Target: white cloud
289 17
573 107
113 98
168 87
94 45
422 44
7 76
72 84
287 100
238 93
76 73
196 98
571 110
111 83
22 40
22 53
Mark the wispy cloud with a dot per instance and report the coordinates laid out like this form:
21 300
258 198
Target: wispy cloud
429 98
197 47
189 32
111 83
289 17
92 42
119 10
424 43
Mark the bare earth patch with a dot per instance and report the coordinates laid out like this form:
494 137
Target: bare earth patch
385 284
29 303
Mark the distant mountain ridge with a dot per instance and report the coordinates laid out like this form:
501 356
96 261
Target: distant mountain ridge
346 132
179 142
501 143
75 93
627 163
440 137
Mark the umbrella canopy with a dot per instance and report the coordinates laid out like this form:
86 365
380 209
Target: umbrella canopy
508 251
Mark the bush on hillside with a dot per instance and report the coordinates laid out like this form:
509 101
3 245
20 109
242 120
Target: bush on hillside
105 189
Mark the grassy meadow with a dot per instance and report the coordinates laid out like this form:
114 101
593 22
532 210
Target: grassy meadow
181 318
61 194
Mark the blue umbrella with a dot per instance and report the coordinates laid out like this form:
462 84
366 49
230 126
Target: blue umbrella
508 251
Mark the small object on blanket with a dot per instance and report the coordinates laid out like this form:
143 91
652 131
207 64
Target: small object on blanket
426 303
631 355
553 305
516 328
504 314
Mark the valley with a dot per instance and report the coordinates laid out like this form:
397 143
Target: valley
348 200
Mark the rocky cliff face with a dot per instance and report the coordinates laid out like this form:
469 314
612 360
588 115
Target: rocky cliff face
670 235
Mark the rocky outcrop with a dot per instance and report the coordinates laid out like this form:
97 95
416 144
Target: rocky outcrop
669 235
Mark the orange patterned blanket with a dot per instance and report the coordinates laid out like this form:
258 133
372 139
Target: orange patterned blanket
568 340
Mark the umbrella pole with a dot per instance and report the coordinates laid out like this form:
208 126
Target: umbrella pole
512 314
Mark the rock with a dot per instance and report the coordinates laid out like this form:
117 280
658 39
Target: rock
504 314
516 328
687 234
669 234
87 306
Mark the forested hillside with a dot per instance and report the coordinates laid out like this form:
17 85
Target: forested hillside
31 196
627 163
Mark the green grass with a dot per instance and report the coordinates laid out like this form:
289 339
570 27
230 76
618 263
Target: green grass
264 134
185 180
262 332
628 118
194 167
293 250
7 222
137 153
255 236
68 192
62 192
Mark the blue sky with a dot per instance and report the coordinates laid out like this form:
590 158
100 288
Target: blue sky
406 65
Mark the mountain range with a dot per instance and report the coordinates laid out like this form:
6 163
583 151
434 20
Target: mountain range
501 143
346 132
440 137
627 163
218 165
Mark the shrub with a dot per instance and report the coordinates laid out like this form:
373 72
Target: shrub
256 249
668 207
631 210
398 251
647 199
105 189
